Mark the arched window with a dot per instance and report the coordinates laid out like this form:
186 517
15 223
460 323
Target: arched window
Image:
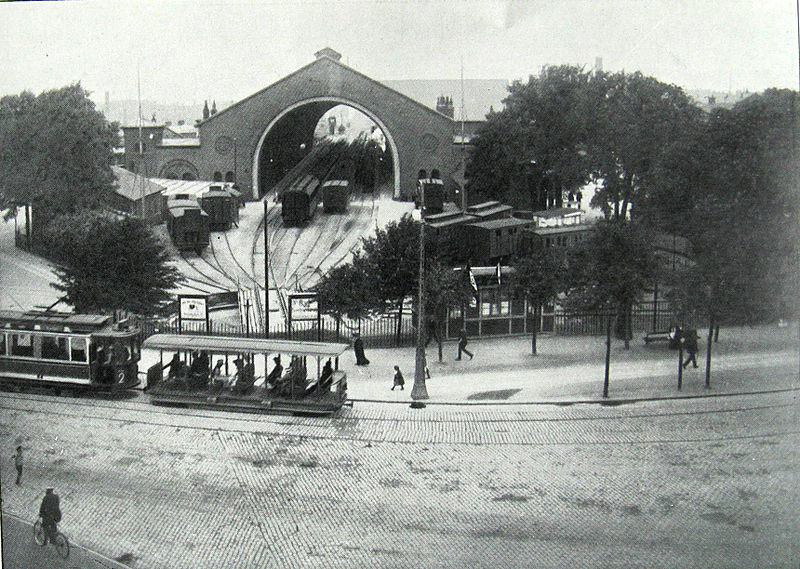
422 175
229 177
217 176
188 176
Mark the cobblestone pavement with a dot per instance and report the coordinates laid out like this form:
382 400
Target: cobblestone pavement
689 483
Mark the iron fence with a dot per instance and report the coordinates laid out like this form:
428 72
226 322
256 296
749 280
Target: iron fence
383 332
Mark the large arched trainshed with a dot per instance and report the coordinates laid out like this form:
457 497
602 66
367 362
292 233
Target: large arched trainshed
274 128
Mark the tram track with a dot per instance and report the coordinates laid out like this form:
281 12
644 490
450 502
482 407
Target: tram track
472 413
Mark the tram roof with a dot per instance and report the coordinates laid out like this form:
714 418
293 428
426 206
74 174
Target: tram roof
232 344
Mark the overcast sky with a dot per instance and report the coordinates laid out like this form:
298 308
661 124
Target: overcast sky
194 50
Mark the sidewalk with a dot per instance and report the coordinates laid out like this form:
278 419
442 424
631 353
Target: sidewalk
571 369
20 550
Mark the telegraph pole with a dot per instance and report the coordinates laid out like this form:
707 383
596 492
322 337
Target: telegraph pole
419 391
266 267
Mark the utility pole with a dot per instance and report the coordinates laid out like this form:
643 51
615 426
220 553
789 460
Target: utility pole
266 267
419 391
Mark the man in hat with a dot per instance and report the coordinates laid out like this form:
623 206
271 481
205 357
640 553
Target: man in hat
50 512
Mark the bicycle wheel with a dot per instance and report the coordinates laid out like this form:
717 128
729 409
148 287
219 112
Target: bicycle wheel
38 533
62 545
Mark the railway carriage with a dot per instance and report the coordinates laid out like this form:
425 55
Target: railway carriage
62 350
220 372
188 225
335 195
221 205
299 202
434 194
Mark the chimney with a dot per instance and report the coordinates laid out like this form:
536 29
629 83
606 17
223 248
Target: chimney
445 106
206 112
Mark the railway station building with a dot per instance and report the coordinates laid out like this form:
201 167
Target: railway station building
256 140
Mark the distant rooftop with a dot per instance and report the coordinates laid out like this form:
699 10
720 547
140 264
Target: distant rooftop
132 185
479 94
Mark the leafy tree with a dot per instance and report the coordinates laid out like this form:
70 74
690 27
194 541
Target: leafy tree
55 152
609 271
345 291
534 150
109 263
444 288
391 263
639 117
540 277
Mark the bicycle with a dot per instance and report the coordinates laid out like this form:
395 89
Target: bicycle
59 539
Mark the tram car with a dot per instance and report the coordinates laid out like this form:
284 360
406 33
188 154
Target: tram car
299 202
433 189
335 195
220 372
221 205
188 225
57 350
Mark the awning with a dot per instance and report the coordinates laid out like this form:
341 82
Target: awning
238 345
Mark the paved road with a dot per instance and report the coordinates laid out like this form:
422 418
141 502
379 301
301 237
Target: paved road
21 551
694 483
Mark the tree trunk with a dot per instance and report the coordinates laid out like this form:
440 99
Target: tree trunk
716 333
399 322
608 356
536 317
439 337
626 327
708 352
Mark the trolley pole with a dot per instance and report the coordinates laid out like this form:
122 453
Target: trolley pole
266 267
419 391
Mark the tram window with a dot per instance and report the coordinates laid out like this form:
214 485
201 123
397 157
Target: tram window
21 345
54 348
78 349
2 344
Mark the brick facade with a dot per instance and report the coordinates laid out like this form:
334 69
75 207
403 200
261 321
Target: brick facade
281 118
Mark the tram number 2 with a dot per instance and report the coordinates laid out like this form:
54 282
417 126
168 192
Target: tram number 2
121 376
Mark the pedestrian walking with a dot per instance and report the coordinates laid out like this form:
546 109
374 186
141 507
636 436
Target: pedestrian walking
358 348
462 344
398 379
18 464
690 338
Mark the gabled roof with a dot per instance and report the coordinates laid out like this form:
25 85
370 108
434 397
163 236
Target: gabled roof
131 185
501 223
557 212
325 59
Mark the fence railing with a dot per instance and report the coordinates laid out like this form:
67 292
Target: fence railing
383 332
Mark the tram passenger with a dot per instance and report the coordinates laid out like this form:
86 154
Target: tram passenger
174 365
246 379
217 380
326 377
275 375
198 371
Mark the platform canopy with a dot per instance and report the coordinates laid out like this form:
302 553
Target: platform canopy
239 345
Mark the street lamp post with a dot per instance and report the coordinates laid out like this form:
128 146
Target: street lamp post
419 391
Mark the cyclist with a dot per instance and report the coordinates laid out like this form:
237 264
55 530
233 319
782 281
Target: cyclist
50 513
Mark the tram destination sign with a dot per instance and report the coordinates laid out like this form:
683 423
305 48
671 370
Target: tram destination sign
303 307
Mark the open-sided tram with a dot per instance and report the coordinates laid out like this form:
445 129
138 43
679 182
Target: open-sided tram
220 372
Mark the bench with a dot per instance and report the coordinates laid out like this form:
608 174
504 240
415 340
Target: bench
657 337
